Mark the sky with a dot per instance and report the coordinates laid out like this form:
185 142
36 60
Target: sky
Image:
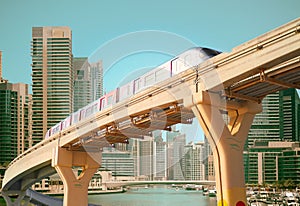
137 34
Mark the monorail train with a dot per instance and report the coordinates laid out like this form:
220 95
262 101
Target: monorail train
184 61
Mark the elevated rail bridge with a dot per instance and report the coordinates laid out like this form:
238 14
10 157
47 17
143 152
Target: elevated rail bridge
224 93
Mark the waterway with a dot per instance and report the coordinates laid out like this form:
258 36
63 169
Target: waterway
162 195
154 196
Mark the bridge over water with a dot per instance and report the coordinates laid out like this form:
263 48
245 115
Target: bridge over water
112 184
231 85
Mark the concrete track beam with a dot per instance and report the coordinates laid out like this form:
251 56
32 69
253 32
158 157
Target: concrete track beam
75 186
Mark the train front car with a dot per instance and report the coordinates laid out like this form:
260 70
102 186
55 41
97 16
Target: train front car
191 58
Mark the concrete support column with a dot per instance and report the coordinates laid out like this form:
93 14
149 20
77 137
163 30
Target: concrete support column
75 186
17 201
227 137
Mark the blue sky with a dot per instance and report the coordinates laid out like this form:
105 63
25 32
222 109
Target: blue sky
96 24
218 24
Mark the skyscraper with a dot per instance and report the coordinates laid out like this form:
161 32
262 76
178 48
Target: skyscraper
194 168
208 160
268 162
96 79
159 159
52 77
15 120
276 127
176 142
265 125
145 154
120 163
82 83
170 136
88 81
289 115
8 123
24 136
279 120
179 163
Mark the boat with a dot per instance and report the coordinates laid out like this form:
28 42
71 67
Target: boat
258 203
205 192
190 187
212 193
290 199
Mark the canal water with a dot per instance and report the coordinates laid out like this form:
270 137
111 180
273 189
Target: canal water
154 196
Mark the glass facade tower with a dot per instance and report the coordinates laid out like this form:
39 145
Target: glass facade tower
279 120
289 115
15 121
9 123
266 157
265 125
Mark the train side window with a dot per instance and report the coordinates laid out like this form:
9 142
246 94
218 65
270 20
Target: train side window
103 103
128 90
187 60
180 65
94 108
137 85
149 79
88 111
174 66
109 100
161 74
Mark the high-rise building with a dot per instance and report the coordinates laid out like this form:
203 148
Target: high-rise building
279 120
272 131
15 120
159 159
120 163
52 77
193 157
289 113
24 100
133 147
265 125
82 83
88 81
170 138
208 160
289 165
142 153
145 154
268 162
175 154
96 79
8 123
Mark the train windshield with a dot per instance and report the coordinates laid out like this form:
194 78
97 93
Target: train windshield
211 52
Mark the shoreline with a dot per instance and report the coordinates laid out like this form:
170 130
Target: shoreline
90 192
